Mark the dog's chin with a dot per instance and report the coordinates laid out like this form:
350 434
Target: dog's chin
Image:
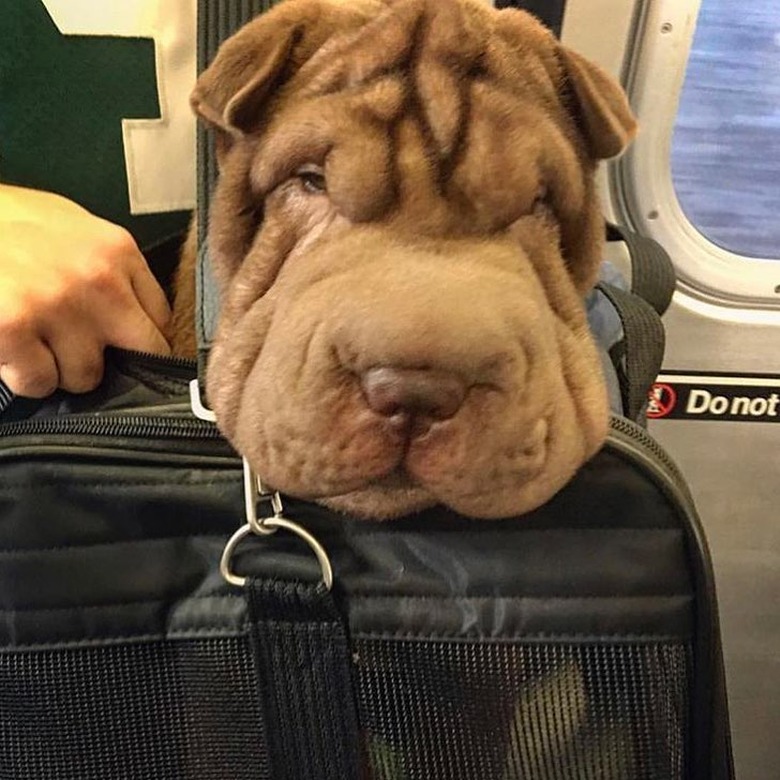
394 498
386 499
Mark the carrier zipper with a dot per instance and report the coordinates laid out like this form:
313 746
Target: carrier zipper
168 361
119 425
628 438
142 422
184 368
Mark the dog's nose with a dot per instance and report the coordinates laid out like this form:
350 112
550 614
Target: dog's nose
404 394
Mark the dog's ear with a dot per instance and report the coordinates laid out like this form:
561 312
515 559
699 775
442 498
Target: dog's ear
262 56
237 82
602 109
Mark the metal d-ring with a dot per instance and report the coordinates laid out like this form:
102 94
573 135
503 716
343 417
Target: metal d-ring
253 491
272 524
265 526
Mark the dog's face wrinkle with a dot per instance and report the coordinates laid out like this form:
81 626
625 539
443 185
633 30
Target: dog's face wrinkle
443 162
417 107
407 70
251 216
346 60
442 165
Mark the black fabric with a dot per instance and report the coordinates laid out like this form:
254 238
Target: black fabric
217 20
131 710
163 259
638 357
429 711
304 672
548 11
130 379
653 276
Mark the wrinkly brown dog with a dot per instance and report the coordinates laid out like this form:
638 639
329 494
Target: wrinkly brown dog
404 228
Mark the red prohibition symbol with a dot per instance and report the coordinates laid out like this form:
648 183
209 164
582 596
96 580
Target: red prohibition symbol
662 398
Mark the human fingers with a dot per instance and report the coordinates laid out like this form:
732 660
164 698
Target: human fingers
118 299
79 357
149 293
133 328
29 369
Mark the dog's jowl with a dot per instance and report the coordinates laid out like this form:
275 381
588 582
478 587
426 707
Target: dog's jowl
404 228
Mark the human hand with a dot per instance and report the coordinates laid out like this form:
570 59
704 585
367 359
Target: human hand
71 284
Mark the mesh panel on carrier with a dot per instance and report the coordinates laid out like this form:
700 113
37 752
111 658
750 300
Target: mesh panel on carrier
135 711
454 710
429 710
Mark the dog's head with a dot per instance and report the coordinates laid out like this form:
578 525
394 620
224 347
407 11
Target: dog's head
404 228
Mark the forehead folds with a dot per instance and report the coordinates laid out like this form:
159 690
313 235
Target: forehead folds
427 101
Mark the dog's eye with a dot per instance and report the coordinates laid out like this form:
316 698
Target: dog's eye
312 177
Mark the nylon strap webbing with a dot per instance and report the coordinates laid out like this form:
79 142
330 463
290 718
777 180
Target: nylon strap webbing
217 20
652 272
303 665
643 346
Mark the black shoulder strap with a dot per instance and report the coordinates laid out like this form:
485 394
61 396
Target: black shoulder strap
304 668
217 21
652 271
640 354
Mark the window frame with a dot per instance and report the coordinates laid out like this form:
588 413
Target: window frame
641 185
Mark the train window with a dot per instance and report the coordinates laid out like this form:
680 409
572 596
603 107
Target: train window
703 176
726 141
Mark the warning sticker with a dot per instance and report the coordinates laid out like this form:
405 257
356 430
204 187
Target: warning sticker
714 396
